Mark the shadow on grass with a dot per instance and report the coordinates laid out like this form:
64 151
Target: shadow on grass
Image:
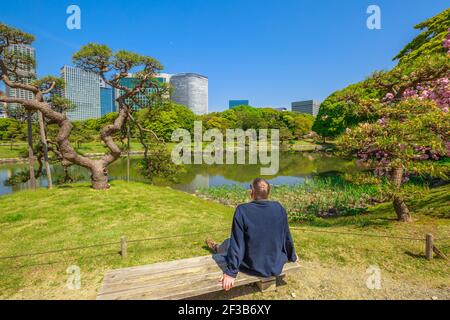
232 294
75 185
415 255
357 221
208 249
236 292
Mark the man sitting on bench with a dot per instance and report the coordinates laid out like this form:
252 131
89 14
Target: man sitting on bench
260 242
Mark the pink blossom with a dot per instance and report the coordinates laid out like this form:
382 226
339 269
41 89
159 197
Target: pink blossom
437 91
389 97
446 43
382 122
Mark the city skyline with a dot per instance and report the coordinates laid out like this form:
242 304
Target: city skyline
94 98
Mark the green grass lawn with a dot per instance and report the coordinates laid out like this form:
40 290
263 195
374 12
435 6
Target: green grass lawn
98 147
75 215
299 145
90 147
15 152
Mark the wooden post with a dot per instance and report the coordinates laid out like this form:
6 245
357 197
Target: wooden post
30 151
123 247
44 143
128 152
429 246
266 285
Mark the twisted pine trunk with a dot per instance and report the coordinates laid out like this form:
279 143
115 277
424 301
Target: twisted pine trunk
400 207
98 167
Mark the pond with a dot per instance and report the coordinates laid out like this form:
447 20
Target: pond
294 169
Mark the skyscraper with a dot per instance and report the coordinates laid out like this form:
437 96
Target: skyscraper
141 99
190 90
83 89
309 106
236 103
3 110
26 74
107 101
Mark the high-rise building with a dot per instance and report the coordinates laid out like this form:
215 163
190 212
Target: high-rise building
141 99
107 101
235 103
26 74
3 110
309 106
190 90
164 77
83 89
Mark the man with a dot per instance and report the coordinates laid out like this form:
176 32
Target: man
260 242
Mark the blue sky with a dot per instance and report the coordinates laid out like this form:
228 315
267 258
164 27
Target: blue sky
270 52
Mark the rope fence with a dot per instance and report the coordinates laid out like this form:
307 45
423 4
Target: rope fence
108 244
430 248
359 234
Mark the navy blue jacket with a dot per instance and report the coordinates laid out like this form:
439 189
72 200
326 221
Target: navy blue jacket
261 242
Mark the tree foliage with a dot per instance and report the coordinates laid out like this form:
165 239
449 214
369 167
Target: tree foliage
429 40
166 117
346 108
294 125
407 132
423 68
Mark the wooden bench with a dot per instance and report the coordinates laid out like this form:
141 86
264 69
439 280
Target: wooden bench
174 280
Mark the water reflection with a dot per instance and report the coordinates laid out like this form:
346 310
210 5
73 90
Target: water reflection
294 169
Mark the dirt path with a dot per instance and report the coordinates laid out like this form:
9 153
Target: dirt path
314 281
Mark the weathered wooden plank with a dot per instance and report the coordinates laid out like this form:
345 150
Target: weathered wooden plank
178 269
160 291
163 278
171 280
161 266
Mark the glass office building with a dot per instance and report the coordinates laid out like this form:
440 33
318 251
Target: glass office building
83 89
188 89
27 76
235 103
3 110
140 100
107 100
309 106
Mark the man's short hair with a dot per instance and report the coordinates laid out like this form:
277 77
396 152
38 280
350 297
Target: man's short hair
261 189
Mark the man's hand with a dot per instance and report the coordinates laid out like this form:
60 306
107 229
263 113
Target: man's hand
227 282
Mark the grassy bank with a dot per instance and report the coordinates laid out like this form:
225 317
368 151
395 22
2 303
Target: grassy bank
318 197
75 215
14 151
19 149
